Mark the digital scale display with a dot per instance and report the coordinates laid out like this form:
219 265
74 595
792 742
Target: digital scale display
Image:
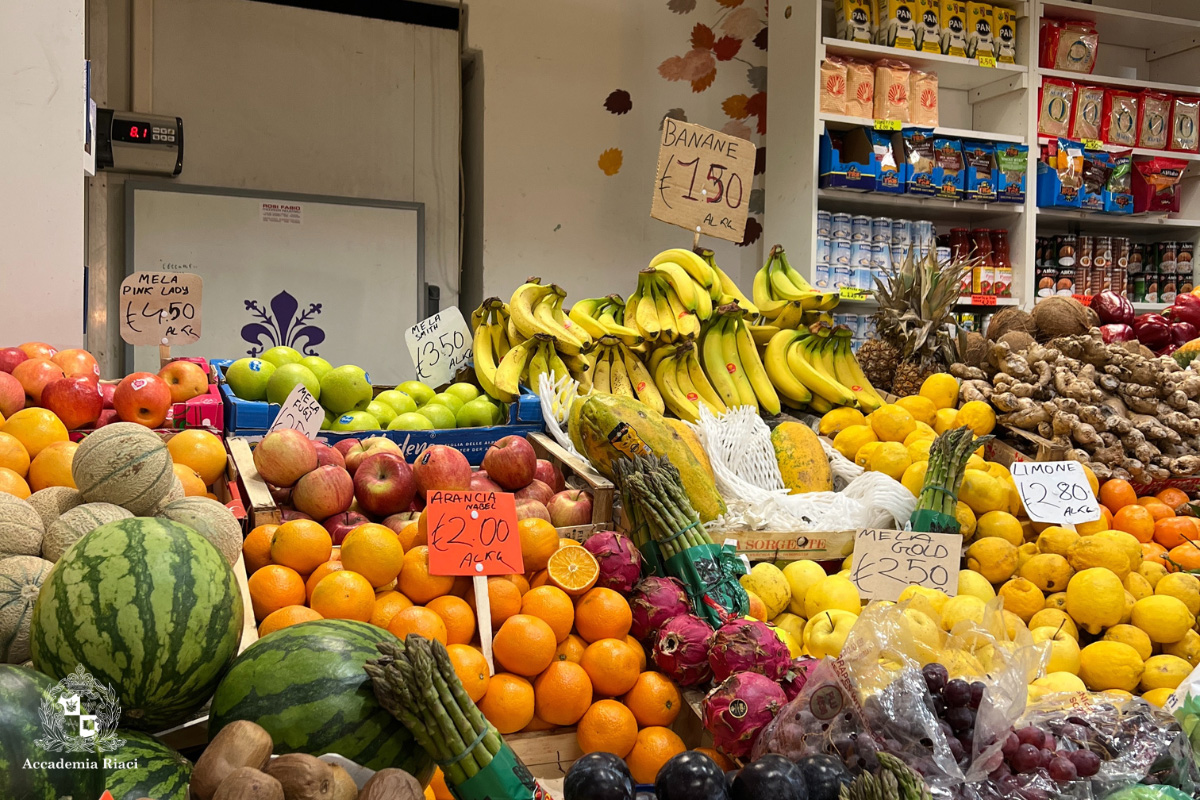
131 131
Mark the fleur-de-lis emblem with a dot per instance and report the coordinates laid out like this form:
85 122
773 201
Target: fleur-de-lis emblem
281 327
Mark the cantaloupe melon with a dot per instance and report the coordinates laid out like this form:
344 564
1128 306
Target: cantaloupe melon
20 580
173 494
125 464
21 528
211 520
54 501
76 524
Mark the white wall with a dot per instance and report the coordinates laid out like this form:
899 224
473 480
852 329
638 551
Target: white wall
41 208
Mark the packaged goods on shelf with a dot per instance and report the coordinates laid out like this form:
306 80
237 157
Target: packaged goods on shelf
1068 45
1119 119
1005 28
1156 184
847 160
952 18
923 94
919 153
891 170
854 20
929 29
1152 119
1088 108
1012 166
1154 116
1060 174
833 85
980 21
892 79
1055 100
852 251
1185 124
860 88
897 22
980 159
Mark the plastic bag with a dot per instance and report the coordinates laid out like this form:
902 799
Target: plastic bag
1184 704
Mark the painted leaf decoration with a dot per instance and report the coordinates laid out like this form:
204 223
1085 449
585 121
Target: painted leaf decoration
610 161
734 106
730 3
757 76
673 113
756 105
672 69
760 160
742 23
753 231
758 201
681 6
739 129
618 102
700 84
760 39
697 64
727 47
703 37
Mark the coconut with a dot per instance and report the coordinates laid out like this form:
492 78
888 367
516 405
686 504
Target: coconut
977 349
737 711
620 561
742 645
1017 341
681 650
654 601
1059 316
1093 317
1010 319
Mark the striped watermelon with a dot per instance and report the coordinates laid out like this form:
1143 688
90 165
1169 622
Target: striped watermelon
148 606
305 684
161 773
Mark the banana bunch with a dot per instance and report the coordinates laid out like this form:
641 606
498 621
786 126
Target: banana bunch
816 368
620 371
504 358
604 316
732 362
683 383
793 317
777 284
525 363
491 342
729 292
535 309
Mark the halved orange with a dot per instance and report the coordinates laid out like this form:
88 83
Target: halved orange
573 569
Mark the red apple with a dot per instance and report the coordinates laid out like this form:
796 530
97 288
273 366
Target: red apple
480 482
536 490
10 357
548 473
12 395
107 416
289 514
570 507
324 492
531 508
107 390
510 462
344 446
76 401
398 522
144 398
341 524
284 457
76 363
35 374
329 455
282 495
38 350
186 380
383 484
442 468
380 443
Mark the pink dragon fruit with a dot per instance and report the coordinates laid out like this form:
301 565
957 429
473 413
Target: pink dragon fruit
736 711
797 676
620 562
747 645
681 649
654 601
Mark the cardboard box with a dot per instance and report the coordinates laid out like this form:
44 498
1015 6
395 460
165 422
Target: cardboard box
847 160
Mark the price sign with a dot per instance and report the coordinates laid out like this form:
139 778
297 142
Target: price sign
1086 299
853 294
1092 144
439 346
1055 491
983 299
300 411
160 308
987 61
703 180
473 533
887 562
887 124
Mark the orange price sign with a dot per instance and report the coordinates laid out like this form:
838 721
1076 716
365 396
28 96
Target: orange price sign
983 299
473 533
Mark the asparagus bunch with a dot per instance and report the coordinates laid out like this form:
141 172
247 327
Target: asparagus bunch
947 462
657 503
416 683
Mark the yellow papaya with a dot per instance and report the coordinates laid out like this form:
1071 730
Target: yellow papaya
693 443
802 461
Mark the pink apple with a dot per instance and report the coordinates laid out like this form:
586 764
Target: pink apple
380 443
510 462
282 495
398 522
38 349
107 416
536 490
383 484
360 449
531 508
329 455
442 468
285 456
570 507
480 482
548 473
341 524
143 398
76 401
10 357
35 374
289 514
12 395
76 363
107 390
185 378
344 446
324 492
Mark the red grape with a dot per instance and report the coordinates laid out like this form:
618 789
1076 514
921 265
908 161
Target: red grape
1027 758
1046 757
957 693
936 677
1086 762
1063 769
978 690
1011 743
1031 735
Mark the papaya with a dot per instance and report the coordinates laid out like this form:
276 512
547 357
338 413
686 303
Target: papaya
693 443
802 461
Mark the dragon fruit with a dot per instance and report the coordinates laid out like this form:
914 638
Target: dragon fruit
747 645
681 649
797 676
620 562
736 711
656 600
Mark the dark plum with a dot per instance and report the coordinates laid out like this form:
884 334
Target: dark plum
936 676
957 693
691 776
599 776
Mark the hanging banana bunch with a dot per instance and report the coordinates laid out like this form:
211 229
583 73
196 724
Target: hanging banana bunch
604 316
777 284
535 309
491 343
728 291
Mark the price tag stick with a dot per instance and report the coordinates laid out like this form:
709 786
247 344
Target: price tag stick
164 354
483 613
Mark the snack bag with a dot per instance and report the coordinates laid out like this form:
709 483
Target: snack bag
854 20
952 20
949 172
892 80
1096 171
1185 124
1119 119
980 41
981 170
1011 166
919 153
1154 116
1089 106
1156 184
1055 100
1073 47
1118 192
833 85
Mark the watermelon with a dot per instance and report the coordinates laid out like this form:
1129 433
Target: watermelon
305 685
160 772
148 606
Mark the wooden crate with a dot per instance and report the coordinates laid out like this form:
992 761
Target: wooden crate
793 546
260 506
602 489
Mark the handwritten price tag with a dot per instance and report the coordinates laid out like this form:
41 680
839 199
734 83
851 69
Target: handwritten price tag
703 180
160 308
1086 299
987 61
983 299
887 562
439 346
887 124
853 294
1055 491
300 412
473 533
1092 144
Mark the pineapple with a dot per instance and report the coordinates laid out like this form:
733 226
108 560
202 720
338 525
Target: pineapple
915 329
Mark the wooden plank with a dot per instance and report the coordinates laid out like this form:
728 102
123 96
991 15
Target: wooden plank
603 490
260 506
793 545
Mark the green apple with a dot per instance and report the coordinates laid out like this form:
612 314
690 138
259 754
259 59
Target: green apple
411 421
398 400
441 416
282 355
343 388
477 413
417 391
448 400
463 391
499 412
327 422
248 377
382 412
318 365
285 379
356 421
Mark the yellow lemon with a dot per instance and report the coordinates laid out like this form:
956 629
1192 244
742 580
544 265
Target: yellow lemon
1187 648
801 575
892 423
1184 587
1096 599
993 558
978 416
977 462
1024 553
982 492
1094 551
1158 697
1152 571
1127 542
998 471
890 458
1049 572
1022 598
913 478
839 419
849 440
1138 586
922 431
1002 525
1163 618
1053 618
976 585
1118 694
944 420
863 457
1132 636
1164 672
1110 665
966 519
918 450
1057 600
1056 540
1064 651
1092 480
1127 609
921 408
941 389
924 595
960 608
1056 683
830 593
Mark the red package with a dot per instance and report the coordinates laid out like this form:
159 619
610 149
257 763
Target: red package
1049 40
1156 184
1154 118
1068 45
1119 121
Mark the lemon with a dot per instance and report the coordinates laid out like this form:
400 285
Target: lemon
848 561
1001 525
993 558
801 575
1132 636
944 420
849 440
1164 672
941 389
1024 553
922 431
998 470
1182 586
1187 648
1057 600
1092 480
890 458
1049 572
913 478
1056 540
1088 528
1110 665
1127 542
1138 586
966 519
921 408
1022 598
1158 697
1118 694
977 462
768 582
1163 618
1127 610
863 457
918 450
892 423
830 593
1056 683
839 419
1096 599
976 585
960 608
1094 551
1064 651
978 416
982 492
1014 496
1153 572
922 596
1053 618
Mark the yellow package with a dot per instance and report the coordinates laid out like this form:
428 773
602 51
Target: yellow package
928 28
952 20
980 21
1005 41
854 20
896 23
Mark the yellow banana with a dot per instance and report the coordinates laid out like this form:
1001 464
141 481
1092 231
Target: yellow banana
539 362
680 282
480 315
556 312
584 313
512 367
666 376
849 373
558 367
791 316
733 363
485 356
608 321
800 361
762 333
666 316
713 355
645 310
514 336
768 398
521 307
793 276
700 382
728 287
547 312
776 363
819 405
767 305
692 264
600 375
643 384
657 355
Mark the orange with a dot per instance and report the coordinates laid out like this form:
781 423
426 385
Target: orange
723 761
637 648
1172 497
553 606
410 537
344 595
35 429
539 541
52 466
562 694
302 545
1160 510
423 527
319 574
457 616
420 621
572 569
654 700
1174 531
462 585
14 484
415 581
1186 556
256 548
1151 551
471 668
612 665
654 747
504 600
1137 520
508 703
539 578
438 784
13 455
607 727
1116 494
387 605
521 583
524 645
565 542
570 649
273 587
373 551
193 484
602 614
288 615
202 451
